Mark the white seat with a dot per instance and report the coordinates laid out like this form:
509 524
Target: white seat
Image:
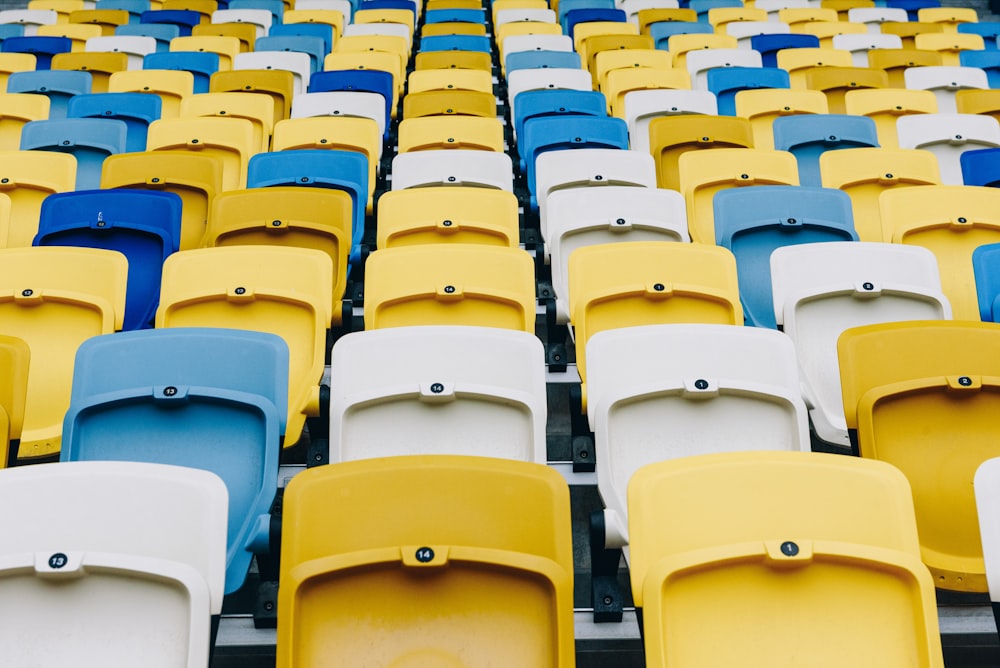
700 61
261 18
987 488
453 167
438 390
515 43
743 31
525 14
130 556
295 62
30 18
633 7
948 136
341 103
343 6
563 78
642 106
822 289
136 47
874 17
608 214
660 392
860 44
379 28
582 167
945 81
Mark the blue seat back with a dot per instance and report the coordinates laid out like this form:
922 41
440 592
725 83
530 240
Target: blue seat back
455 16
538 103
586 15
770 45
58 85
137 110
41 46
135 8
662 31
184 19
755 220
203 398
143 225
455 43
312 45
161 32
11 30
276 7
912 7
986 60
531 60
988 30
981 167
703 6
807 136
986 267
371 81
726 82
90 140
201 64
321 30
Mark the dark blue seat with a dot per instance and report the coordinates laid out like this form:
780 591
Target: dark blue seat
807 136
58 85
40 46
912 7
531 60
569 5
986 60
137 110
770 45
211 399
390 4
538 103
455 16
321 30
755 220
455 43
371 81
143 225
184 19
161 32
703 6
589 14
662 31
726 82
318 168
981 167
986 267
312 45
988 30
201 64
89 140
276 7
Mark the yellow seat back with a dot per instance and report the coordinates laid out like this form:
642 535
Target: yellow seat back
600 43
614 59
230 139
584 31
949 45
895 61
27 178
171 85
618 83
107 19
762 105
15 358
976 101
15 62
836 82
672 136
885 105
447 215
78 32
245 32
445 132
681 44
949 17
16 109
278 84
101 65
798 61
450 102
720 17
449 79
459 60
647 17
258 108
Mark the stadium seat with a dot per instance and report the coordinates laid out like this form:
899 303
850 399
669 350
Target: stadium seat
450 102
27 178
981 167
137 110
453 167
725 82
424 80
260 19
89 140
372 81
836 82
161 32
257 108
984 263
663 31
279 84
642 106
860 44
171 86
561 103
623 81
225 47
944 82
57 85
182 18
41 47
886 105
985 60
896 61
230 139
455 216
768 46
15 358
361 104
292 61
16 109
950 45
671 137
762 106
699 62
246 33
311 45
201 64
948 136
809 136
800 61
545 79
28 19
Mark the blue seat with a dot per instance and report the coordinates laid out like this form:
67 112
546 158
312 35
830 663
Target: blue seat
276 7
390 4
137 110
532 60
538 103
455 15
981 167
211 399
988 30
912 7
590 14
161 32
986 267
770 45
58 85
455 43
703 6
312 45
40 46
662 31
321 30
184 19
566 6
807 136
135 8
201 64
755 220
143 225
548 133
726 82
11 30
317 168
89 140
986 60
371 81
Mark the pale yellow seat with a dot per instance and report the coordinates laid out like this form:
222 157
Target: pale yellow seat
278 84
584 31
621 82
949 45
78 32
258 108
16 109
798 61
107 19
445 132
171 85
330 17
447 215
681 44
896 61
231 139
762 105
949 17
672 136
836 82
795 17
27 178
449 79
245 32
720 17
15 62
885 105
101 66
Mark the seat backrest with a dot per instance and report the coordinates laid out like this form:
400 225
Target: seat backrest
362 104
299 64
545 79
860 44
984 260
944 81
762 106
808 136
546 102
453 167
473 581
701 61
642 106
89 140
885 105
258 108
444 132
16 109
201 64
171 86
15 358
725 82
137 110
836 82
278 84
58 85
453 215
230 139
27 178
672 136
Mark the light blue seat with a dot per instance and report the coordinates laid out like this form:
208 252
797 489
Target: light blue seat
455 43
161 32
89 140
276 7
981 167
988 30
807 136
726 82
211 399
755 220
184 19
987 60
589 14
703 6
143 225
58 85
135 8
662 31
548 133
986 267
539 103
769 45
317 168
40 46
321 30
201 64
530 60
312 45
137 110
11 30
455 15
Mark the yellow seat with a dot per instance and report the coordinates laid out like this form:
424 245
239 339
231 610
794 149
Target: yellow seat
382 43
895 62
343 133
449 79
283 291
450 102
456 215
225 47
761 106
62 8
865 173
245 32
836 82
976 101
795 17
672 136
616 59
949 17
798 61
907 30
78 32
258 108
498 5
453 28
681 44
444 132
450 284
647 17
5 207
15 62
720 17
621 82
951 221
443 592
195 178
403 16
524 28
600 43
55 298
15 357
704 173
101 66
922 396
107 19
16 109
204 7
843 7
949 45
584 31
885 105
27 178
278 84
453 4
317 218
458 60
827 30
370 60
767 551
171 85
231 139
330 17
633 283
